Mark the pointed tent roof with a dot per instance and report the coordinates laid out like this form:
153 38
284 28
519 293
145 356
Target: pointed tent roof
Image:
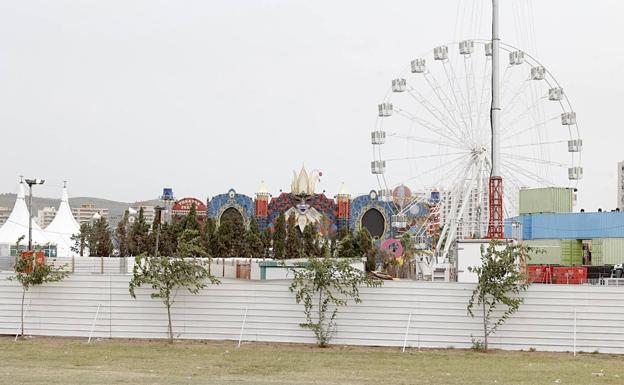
62 227
17 223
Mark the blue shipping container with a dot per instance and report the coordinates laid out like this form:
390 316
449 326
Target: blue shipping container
568 225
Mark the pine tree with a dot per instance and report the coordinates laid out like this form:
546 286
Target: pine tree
99 241
310 246
254 246
121 235
190 221
279 237
190 245
80 239
367 248
266 243
293 239
347 247
138 240
230 239
168 239
208 235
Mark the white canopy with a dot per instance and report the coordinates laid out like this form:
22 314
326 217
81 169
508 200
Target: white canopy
62 227
17 224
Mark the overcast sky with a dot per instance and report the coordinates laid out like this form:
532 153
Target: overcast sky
122 98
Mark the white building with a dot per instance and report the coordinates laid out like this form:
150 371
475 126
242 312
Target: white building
85 213
620 186
45 216
4 214
149 213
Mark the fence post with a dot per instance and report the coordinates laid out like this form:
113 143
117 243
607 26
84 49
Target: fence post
93 324
574 343
409 320
240 338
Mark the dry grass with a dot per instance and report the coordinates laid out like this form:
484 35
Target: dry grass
71 361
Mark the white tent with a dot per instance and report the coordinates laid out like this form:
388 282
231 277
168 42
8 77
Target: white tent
17 224
62 227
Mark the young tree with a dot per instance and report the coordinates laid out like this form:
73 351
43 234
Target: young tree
323 285
279 237
167 275
29 273
293 238
500 282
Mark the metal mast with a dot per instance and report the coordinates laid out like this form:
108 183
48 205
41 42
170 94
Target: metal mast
495 227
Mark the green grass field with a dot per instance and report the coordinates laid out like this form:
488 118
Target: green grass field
42 360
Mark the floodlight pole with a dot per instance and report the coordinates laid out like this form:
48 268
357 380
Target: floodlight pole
496 107
30 183
495 226
29 217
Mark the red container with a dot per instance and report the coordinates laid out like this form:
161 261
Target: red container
540 274
570 275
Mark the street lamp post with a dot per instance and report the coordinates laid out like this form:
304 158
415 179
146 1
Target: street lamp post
30 183
157 217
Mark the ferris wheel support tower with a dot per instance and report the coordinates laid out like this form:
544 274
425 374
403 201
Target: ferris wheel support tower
495 226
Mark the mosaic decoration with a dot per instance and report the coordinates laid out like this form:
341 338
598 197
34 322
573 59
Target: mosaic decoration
242 203
317 210
361 204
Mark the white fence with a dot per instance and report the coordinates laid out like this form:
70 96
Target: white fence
438 314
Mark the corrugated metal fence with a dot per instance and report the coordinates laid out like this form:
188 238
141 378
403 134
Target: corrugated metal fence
438 314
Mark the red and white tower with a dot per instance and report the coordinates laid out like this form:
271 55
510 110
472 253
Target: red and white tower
262 205
343 200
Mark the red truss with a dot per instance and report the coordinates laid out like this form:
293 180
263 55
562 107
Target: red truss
495 226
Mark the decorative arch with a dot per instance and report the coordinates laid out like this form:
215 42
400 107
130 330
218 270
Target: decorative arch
374 221
230 211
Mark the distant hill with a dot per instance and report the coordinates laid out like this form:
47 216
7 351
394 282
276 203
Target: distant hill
114 208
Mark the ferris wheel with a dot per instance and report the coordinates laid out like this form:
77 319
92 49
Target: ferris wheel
432 138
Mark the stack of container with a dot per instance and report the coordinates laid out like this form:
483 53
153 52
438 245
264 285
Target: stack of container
607 251
546 200
571 252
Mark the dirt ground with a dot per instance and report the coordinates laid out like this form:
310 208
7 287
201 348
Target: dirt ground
42 360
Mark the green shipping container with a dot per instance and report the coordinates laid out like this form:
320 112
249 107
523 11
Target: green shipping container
546 200
571 252
547 252
607 251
